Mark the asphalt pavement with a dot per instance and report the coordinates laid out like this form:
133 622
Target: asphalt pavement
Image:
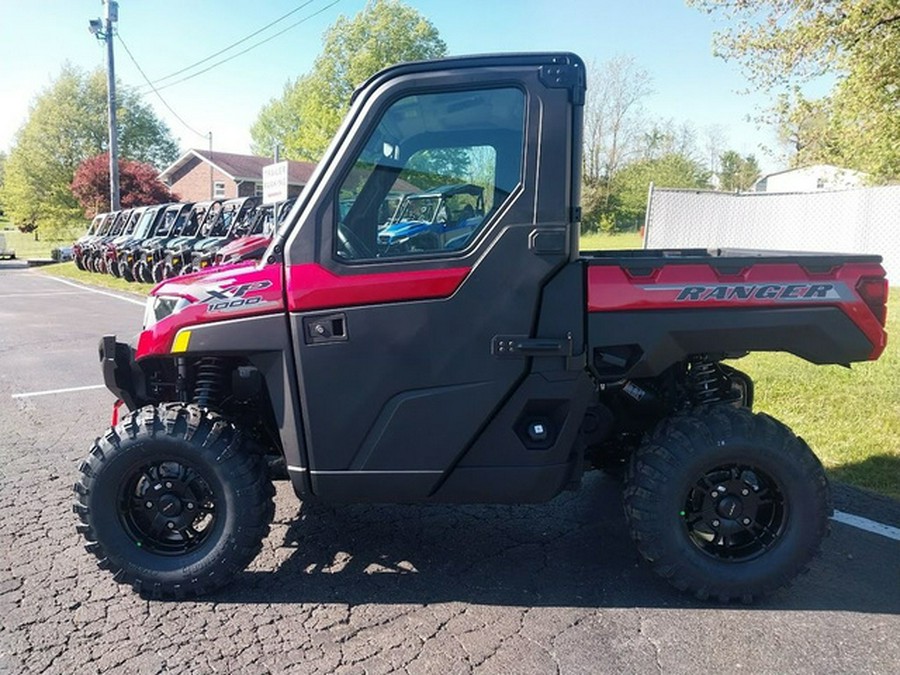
556 587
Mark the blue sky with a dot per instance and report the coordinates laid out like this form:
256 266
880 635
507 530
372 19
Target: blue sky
669 40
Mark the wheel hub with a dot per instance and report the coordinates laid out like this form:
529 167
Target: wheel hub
167 508
169 505
734 512
730 507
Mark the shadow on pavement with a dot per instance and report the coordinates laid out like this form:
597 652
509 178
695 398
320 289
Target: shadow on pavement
573 552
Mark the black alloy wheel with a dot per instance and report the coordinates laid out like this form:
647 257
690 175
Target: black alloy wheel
735 512
174 501
167 507
726 504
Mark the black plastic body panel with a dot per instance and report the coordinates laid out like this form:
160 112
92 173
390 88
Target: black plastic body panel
665 337
265 342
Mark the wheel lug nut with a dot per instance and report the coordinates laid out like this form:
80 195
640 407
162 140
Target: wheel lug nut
149 505
745 492
746 521
715 523
170 525
713 494
190 506
168 486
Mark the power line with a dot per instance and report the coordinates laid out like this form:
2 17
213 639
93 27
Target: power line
234 44
251 47
147 80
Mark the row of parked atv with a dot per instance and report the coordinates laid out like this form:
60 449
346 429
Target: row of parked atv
152 243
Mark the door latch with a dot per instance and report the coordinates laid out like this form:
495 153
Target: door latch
322 329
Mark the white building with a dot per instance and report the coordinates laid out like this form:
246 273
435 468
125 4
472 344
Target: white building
811 179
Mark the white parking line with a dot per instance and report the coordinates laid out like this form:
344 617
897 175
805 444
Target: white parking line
868 525
94 290
29 394
41 294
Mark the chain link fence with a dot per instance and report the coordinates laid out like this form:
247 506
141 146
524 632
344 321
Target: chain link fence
865 220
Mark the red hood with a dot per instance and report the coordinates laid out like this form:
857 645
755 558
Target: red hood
219 294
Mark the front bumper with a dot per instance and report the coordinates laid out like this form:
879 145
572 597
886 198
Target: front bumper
121 374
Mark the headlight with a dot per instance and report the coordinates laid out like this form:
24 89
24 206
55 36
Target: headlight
160 306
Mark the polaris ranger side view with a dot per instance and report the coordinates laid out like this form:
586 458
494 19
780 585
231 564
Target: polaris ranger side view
496 370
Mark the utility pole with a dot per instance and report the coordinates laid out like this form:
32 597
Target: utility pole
210 166
104 32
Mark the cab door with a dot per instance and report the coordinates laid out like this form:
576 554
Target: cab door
400 350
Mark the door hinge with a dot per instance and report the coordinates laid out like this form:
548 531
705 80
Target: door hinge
565 74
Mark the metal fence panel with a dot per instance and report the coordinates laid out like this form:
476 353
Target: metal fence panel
865 220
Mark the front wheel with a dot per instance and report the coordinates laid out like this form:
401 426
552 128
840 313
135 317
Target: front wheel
125 271
726 504
158 273
141 271
172 501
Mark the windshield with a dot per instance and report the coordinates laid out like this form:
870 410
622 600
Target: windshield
133 221
223 223
119 225
418 209
145 223
264 220
181 223
166 225
198 213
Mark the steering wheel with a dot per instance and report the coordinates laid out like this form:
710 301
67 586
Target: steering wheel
351 246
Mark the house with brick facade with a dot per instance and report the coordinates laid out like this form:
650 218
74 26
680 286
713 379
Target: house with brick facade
201 174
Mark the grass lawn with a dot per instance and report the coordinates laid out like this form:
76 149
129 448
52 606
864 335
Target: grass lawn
608 242
27 248
69 271
851 418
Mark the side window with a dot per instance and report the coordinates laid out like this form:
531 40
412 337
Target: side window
431 174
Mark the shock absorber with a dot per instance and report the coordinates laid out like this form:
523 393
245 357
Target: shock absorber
209 385
706 381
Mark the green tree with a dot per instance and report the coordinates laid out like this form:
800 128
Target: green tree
631 185
311 108
66 125
613 123
737 173
784 44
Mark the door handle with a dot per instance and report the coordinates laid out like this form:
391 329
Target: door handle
325 329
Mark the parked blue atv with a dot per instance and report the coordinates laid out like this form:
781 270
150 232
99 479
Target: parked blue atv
439 219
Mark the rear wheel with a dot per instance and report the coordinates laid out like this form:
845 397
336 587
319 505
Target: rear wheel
172 502
726 504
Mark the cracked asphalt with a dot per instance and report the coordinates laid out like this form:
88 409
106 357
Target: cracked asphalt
551 588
